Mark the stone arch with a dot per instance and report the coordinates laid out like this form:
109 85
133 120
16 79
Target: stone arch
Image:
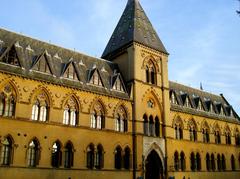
75 98
39 91
16 89
192 122
205 125
216 127
227 129
101 104
178 120
158 150
123 106
150 60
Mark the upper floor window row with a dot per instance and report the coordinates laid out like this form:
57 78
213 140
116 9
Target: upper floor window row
196 102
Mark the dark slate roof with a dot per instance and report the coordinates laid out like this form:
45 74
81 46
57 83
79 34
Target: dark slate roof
133 26
30 50
207 99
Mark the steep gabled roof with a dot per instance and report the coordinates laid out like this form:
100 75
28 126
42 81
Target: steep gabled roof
133 26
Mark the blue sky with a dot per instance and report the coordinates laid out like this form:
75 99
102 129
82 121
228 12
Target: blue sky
202 36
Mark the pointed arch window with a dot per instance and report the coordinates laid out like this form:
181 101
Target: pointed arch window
69 155
126 158
40 109
151 126
182 161
56 155
223 163
157 127
121 122
33 153
145 125
205 133
7 102
208 162
151 75
219 162
237 138
192 131
90 156
99 157
6 151
176 161
233 166
97 117
96 79
178 130
118 157
213 164
228 137
193 161
217 136
70 113
198 162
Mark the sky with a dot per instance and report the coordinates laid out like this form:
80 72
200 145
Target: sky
202 36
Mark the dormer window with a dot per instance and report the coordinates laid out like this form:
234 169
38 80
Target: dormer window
200 106
118 86
96 79
187 102
173 98
11 57
70 72
41 64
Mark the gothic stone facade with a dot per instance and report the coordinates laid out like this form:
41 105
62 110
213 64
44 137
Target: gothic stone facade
64 114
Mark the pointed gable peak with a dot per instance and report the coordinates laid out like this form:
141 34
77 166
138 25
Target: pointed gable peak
133 26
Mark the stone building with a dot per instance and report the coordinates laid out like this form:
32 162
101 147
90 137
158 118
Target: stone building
64 114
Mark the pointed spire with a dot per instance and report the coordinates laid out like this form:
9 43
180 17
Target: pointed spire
133 26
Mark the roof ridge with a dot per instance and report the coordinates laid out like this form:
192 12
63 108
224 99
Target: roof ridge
195 89
51 44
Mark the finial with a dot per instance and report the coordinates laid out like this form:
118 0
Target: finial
201 87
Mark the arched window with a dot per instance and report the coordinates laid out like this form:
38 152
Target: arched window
126 158
6 151
40 108
151 126
233 163
99 159
208 162
178 127
97 117
219 163
237 138
228 137
192 131
182 161
157 127
147 75
121 122
213 162
205 133
118 157
33 153
7 102
70 113
217 137
56 155
90 156
145 125
69 156
151 75
198 162
176 161
192 161
223 163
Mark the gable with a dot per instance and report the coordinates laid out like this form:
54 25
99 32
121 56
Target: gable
95 78
10 56
118 84
42 65
70 72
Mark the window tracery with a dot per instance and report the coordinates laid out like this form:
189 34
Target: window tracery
7 101
70 113
40 108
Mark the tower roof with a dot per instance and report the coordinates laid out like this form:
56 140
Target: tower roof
133 26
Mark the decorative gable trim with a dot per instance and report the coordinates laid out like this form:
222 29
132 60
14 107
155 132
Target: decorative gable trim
11 56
